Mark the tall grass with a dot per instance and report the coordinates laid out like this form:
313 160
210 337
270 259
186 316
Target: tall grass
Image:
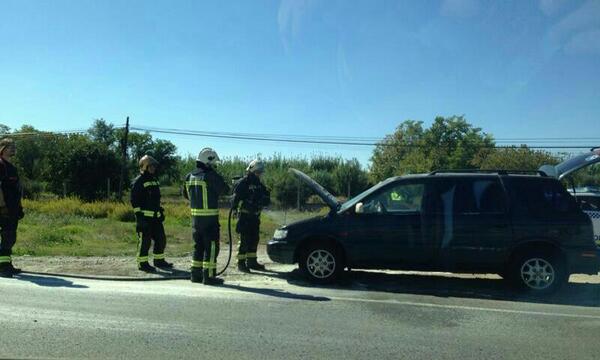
72 206
71 227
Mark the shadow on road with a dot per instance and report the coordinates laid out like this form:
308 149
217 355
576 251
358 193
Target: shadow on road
172 273
275 293
578 294
49 281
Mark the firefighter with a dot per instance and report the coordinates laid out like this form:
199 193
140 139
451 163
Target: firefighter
149 216
251 196
202 188
11 210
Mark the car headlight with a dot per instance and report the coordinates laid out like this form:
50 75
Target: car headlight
280 234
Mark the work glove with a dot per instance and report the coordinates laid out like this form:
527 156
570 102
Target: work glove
141 224
20 213
161 218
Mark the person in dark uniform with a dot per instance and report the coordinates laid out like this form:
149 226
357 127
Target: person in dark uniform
250 195
11 210
203 187
149 215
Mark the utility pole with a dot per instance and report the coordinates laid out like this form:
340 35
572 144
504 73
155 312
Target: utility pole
124 142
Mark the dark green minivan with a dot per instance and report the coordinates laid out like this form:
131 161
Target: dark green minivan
524 226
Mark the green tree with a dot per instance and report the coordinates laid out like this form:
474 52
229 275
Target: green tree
515 158
82 166
450 143
104 133
349 178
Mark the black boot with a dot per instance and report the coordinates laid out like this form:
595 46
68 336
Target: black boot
211 280
13 269
254 265
242 267
145 267
5 271
162 264
196 275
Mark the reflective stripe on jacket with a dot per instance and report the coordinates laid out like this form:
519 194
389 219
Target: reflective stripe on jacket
145 195
202 189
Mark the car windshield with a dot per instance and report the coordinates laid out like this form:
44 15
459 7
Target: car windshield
352 202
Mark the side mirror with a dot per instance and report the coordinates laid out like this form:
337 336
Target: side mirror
359 208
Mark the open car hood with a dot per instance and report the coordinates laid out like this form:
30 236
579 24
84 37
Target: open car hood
573 164
325 195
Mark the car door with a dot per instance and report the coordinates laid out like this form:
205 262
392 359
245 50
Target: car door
386 230
477 231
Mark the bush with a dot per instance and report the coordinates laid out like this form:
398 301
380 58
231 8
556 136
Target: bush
122 212
178 211
32 189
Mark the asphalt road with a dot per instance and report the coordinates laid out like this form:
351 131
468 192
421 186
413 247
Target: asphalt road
371 315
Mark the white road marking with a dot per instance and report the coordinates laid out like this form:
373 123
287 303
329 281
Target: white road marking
474 308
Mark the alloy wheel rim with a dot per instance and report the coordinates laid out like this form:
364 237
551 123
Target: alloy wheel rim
320 263
537 274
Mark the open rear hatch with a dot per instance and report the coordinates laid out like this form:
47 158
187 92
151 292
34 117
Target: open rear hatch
573 164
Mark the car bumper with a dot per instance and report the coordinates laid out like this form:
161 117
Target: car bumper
280 252
584 261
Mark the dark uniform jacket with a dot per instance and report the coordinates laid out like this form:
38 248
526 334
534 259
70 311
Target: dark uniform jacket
145 195
251 195
202 188
11 190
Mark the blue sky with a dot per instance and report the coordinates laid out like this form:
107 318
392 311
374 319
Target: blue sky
310 67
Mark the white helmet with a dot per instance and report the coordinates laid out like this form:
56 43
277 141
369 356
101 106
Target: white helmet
256 166
208 157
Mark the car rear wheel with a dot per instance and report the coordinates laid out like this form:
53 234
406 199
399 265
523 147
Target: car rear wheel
539 272
321 263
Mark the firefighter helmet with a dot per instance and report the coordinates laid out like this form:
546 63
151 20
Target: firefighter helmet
256 166
5 144
146 161
208 157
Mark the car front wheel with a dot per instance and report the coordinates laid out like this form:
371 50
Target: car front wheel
321 263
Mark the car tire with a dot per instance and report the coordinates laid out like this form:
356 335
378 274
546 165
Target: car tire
538 272
321 263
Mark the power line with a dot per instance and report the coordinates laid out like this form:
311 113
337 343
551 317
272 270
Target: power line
555 143
317 140
340 138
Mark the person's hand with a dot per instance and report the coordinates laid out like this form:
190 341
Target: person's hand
20 214
161 218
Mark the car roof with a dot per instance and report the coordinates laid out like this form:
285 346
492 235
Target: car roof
459 174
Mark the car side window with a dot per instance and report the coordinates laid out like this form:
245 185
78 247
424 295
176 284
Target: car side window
479 196
543 198
396 199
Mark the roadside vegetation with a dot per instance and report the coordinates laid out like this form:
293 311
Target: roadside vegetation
71 180
72 227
